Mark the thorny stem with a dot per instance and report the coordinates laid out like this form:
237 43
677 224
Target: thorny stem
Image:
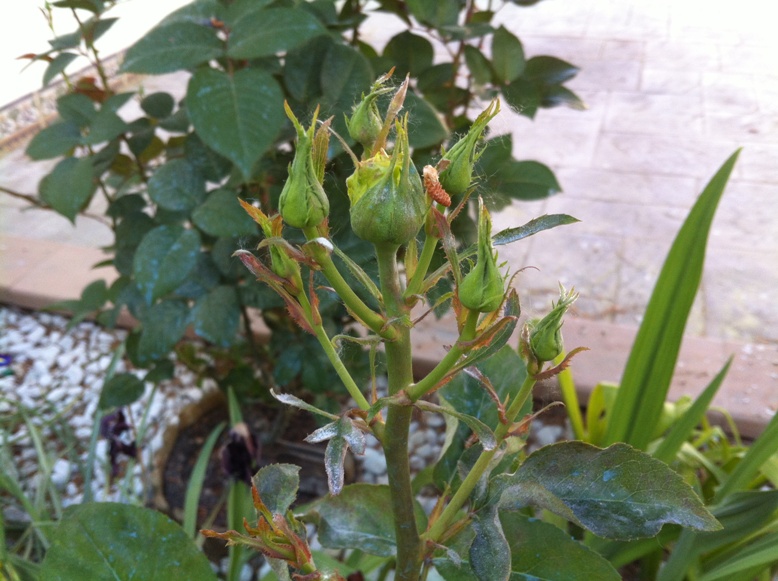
477 471
398 420
373 320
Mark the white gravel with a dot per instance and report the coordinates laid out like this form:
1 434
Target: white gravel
55 378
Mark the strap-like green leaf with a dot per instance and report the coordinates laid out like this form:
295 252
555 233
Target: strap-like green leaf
651 363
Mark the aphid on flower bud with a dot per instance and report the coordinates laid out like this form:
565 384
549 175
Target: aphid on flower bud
433 188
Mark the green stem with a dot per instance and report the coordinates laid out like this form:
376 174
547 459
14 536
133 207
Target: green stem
332 355
372 320
398 419
427 252
444 366
476 472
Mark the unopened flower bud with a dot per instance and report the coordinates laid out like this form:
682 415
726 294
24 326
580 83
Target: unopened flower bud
483 288
388 204
365 122
545 337
303 203
458 174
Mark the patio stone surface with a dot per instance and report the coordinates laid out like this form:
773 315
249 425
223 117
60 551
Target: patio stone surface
672 88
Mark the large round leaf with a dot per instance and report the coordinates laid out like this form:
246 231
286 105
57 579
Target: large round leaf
116 542
163 326
427 129
215 316
69 187
163 260
55 140
174 47
269 31
359 518
221 215
177 186
236 115
345 74
617 492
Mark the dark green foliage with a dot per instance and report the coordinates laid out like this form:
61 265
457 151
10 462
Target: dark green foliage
173 176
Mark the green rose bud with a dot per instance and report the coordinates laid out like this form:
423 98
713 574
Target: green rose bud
365 122
545 338
303 203
388 204
483 288
460 159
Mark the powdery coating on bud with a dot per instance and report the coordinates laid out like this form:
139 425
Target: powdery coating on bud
483 289
546 335
388 204
458 176
303 203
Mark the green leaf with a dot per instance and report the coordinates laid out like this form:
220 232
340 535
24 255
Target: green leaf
277 485
410 53
742 515
359 518
437 14
302 73
56 66
507 56
176 186
77 108
161 371
523 96
163 326
105 126
556 95
345 74
506 372
549 70
650 367
216 316
617 493
746 562
681 430
55 140
108 541
213 167
539 224
195 485
426 128
121 390
172 47
746 470
158 105
164 258
95 6
478 65
523 180
238 116
69 187
196 12
221 215
269 31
